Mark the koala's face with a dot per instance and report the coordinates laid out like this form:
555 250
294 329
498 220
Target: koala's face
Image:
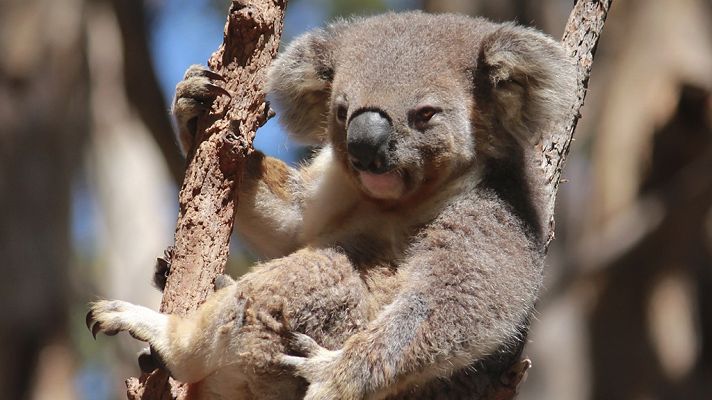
404 99
396 136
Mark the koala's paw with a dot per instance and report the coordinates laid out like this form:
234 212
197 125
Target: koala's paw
320 367
105 316
114 316
194 97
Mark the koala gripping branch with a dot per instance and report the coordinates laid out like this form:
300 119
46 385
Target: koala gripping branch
207 198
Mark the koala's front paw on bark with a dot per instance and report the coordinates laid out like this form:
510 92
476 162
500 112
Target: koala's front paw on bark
194 97
320 367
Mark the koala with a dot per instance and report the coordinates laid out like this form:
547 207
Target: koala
409 251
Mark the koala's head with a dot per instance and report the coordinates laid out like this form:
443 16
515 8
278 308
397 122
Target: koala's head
409 100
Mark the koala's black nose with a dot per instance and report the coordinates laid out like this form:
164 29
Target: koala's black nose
367 141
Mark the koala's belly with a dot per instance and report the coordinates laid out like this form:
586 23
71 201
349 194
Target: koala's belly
321 293
315 291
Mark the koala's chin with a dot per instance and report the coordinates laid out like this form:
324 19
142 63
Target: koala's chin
386 186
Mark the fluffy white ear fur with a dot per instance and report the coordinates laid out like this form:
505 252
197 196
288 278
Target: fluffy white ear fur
532 80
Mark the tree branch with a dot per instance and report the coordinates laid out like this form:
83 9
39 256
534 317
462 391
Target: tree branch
207 198
580 40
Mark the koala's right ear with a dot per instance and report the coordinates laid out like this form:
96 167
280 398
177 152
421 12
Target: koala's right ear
299 82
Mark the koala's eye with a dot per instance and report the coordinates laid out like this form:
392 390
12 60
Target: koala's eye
421 116
341 113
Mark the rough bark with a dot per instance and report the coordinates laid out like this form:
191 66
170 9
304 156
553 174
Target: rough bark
207 198
580 40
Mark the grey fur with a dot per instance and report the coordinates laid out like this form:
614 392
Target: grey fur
407 291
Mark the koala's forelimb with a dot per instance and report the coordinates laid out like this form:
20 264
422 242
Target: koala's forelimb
487 298
269 213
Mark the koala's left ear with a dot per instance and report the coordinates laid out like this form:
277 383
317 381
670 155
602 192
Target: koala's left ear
299 82
527 78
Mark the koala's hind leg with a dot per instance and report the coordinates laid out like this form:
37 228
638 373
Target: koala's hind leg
149 360
234 346
192 347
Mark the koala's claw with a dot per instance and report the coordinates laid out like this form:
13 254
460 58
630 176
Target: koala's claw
146 362
217 91
96 322
114 316
197 84
163 268
303 345
320 367
199 91
93 326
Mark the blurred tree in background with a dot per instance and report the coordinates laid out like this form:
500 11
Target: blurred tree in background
88 174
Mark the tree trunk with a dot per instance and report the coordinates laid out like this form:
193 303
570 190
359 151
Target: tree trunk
207 197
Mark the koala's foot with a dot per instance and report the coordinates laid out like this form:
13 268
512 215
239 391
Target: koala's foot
110 318
114 316
194 97
190 347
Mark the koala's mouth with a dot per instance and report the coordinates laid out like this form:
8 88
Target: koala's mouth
386 186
